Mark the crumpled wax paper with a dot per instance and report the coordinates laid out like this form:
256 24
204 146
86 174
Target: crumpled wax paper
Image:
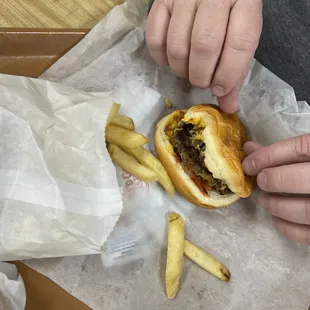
59 194
268 271
12 288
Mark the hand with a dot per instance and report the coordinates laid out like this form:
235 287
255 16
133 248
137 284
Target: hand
284 167
211 42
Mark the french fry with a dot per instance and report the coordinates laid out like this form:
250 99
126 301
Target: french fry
175 251
149 160
114 110
131 165
124 137
206 261
123 121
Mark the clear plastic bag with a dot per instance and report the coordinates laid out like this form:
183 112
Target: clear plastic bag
126 244
139 226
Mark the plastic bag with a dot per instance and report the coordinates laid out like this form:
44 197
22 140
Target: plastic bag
137 229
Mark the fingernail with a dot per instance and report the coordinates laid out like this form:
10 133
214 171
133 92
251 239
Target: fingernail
262 180
249 166
217 91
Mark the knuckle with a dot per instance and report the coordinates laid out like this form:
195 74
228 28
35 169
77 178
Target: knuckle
243 41
177 50
301 146
205 44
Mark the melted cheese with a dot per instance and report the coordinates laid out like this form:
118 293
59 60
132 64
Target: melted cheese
175 119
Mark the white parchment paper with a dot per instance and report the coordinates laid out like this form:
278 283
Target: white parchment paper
268 272
58 189
12 288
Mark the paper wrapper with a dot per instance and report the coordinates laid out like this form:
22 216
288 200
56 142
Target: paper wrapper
59 193
268 271
12 288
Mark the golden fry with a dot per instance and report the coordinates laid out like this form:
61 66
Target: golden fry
124 137
174 254
114 110
206 261
123 121
130 165
149 160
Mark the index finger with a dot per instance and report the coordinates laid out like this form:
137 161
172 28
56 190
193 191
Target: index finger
242 37
156 32
286 152
207 40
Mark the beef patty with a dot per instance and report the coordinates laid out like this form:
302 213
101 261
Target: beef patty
191 152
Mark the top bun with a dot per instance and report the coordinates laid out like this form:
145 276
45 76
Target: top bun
224 136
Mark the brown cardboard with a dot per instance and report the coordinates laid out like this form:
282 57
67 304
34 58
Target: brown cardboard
29 52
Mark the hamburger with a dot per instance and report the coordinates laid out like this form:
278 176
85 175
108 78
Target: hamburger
201 148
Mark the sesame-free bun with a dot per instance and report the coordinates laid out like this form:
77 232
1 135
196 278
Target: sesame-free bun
224 136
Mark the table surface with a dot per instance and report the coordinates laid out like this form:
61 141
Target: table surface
54 13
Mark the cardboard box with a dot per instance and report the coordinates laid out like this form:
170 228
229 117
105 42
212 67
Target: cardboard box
30 52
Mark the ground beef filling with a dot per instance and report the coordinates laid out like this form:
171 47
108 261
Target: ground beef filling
191 153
